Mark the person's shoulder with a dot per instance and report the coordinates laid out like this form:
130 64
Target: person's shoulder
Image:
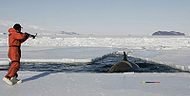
11 30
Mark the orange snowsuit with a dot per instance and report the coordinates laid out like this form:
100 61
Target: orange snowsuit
15 40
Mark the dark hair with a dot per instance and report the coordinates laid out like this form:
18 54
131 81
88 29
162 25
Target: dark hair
17 26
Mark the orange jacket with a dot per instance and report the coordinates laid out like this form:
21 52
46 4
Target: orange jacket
15 40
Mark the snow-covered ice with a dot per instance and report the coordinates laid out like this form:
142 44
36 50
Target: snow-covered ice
172 51
93 84
138 42
61 55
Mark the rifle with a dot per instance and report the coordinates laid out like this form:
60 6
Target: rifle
33 36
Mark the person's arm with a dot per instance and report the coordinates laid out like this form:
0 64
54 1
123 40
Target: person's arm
26 37
21 36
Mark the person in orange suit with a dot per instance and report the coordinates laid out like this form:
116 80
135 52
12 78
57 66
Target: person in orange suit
16 37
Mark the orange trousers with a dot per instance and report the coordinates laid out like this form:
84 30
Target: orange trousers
14 54
13 70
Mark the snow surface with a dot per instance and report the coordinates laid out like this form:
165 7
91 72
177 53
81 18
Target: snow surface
93 84
173 51
61 55
144 42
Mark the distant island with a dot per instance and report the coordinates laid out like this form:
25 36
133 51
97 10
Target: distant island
167 33
69 33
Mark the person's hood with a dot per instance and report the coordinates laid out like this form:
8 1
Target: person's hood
11 30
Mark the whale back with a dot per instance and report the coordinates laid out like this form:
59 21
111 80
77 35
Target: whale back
122 66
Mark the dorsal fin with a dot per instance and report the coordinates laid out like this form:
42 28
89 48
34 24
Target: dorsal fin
124 56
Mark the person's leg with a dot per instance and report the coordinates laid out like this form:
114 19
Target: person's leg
13 70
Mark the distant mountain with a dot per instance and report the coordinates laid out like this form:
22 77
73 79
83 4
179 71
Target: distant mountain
69 33
32 29
168 33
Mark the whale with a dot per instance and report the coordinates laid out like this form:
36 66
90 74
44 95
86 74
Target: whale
123 66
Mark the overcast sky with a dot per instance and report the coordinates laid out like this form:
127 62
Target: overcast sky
136 17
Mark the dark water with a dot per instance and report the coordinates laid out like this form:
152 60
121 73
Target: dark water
101 65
